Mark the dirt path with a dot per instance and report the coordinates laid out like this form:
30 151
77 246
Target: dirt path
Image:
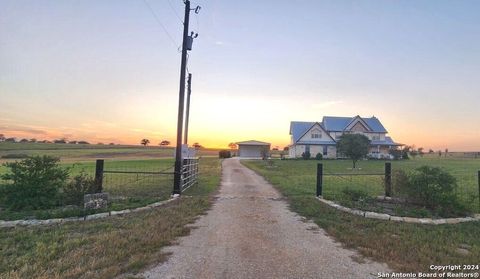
251 233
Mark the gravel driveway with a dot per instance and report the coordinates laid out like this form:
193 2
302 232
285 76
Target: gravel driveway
251 233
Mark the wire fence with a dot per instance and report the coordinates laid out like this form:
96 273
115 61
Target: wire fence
341 186
143 182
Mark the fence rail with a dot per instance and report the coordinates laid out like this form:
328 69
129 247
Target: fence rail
333 185
189 173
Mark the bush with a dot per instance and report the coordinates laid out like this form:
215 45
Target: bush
306 155
224 154
355 194
431 187
74 191
34 183
319 156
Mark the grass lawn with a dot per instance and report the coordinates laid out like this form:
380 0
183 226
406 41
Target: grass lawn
301 176
405 247
105 248
126 190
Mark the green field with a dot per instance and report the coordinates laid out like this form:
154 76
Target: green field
301 175
90 152
404 247
126 190
109 247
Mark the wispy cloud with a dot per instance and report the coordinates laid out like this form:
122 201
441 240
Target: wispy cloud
24 129
326 104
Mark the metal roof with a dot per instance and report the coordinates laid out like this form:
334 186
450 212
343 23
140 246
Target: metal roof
387 141
339 124
299 128
252 142
335 123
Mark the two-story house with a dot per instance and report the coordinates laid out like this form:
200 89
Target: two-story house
322 137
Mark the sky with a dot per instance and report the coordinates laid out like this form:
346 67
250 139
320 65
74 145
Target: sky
108 71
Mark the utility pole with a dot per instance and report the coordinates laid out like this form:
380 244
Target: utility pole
187 116
186 45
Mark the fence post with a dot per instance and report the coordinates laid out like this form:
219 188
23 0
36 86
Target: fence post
388 179
99 176
319 179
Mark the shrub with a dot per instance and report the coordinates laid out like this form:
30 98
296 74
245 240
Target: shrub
306 155
80 185
355 194
34 183
431 187
396 153
224 154
319 156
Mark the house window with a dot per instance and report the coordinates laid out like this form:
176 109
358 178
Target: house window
325 150
307 148
316 135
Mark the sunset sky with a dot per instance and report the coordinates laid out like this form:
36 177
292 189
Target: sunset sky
107 71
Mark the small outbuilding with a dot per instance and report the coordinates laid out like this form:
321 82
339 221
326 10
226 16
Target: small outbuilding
253 149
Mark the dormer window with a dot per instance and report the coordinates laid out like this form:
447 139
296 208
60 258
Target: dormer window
316 134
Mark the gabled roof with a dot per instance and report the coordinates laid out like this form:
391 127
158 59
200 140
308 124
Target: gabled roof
338 124
299 128
252 142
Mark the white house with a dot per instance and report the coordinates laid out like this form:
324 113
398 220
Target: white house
322 137
253 149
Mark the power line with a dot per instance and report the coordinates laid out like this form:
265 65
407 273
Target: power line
174 11
157 19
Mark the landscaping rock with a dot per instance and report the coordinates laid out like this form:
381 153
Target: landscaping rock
97 216
452 220
397 219
463 252
378 216
95 201
439 221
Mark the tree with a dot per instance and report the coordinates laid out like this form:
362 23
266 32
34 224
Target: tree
275 148
144 142
420 151
63 140
33 140
197 145
354 146
232 145
10 140
2 137
439 153
405 151
83 142
165 143
396 153
24 140
430 151
446 152
286 148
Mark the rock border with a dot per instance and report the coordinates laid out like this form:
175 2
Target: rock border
36 222
387 217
